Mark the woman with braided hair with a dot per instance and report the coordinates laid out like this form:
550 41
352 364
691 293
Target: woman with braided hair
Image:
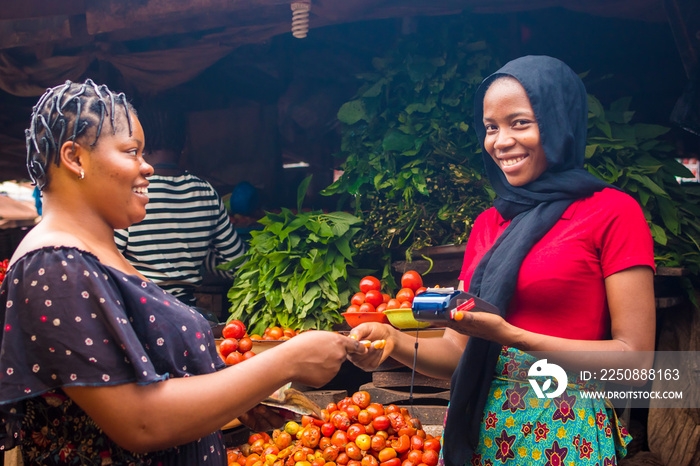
98 364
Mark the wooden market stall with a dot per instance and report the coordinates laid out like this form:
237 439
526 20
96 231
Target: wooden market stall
259 99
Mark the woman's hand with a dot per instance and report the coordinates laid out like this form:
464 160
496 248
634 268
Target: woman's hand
318 355
263 418
373 357
483 325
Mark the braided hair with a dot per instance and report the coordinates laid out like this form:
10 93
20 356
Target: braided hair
66 113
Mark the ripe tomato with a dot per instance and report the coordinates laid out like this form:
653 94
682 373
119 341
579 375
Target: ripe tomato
375 409
248 355
415 456
405 294
430 457
234 329
353 308
412 280
381 307
361 398
369 283
432 444
386 454
391 462
228 346
330 453
275 332
245 344
378 443
354 431
420 290
374 297
352 411
310 436
369 460
339 439
357 299
367 307
393 304
385 297
381 422
341 420
353 451
364 417
327 429
405 305
234 358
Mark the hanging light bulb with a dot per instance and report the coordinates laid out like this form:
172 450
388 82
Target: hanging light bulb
300 18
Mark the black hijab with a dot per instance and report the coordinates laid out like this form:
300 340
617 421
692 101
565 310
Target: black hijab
560 103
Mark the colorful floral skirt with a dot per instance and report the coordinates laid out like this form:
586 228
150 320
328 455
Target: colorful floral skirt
519 428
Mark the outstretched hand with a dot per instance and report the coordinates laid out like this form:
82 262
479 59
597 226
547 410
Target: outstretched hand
319 355
374 355
481 325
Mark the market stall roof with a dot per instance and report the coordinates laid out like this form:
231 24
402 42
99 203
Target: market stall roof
159 44
66 37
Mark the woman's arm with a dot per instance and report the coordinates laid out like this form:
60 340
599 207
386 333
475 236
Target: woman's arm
437 357
630 295
144 418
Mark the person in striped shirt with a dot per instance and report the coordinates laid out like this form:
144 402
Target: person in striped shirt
187 231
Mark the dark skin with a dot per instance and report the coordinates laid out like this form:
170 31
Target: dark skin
97 189
513 141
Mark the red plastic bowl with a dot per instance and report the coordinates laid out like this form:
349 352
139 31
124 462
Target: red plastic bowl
356 318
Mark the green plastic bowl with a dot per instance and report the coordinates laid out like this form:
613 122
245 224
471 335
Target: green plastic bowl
403 319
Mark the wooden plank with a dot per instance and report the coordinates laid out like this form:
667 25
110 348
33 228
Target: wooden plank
422 266
388 396
324 397
20 33
40 8
114 15
403 379
428 415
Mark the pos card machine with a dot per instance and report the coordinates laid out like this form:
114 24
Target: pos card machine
440 304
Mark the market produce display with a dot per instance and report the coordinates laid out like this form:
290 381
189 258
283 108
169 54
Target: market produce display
370 304
353 432
237 344
3 269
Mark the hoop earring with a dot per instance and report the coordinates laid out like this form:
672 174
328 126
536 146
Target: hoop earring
82 175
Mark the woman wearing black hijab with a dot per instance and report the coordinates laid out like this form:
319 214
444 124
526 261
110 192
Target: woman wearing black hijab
569 261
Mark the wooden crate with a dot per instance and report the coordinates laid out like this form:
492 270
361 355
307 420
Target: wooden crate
395 388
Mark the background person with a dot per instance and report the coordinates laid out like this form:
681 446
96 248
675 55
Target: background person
569 262
187 230
100 365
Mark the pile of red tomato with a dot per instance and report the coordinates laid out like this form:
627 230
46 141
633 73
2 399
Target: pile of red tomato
353 432
237 345
3 269
371 299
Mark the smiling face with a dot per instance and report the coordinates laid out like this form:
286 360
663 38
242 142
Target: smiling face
512 133
116 175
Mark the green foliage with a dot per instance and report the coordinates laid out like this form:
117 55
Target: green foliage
412 168
298 272
635 157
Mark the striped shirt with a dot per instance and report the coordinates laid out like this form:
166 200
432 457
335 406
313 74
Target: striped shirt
186 229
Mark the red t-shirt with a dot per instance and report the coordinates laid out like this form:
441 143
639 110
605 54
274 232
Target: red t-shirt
561 288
